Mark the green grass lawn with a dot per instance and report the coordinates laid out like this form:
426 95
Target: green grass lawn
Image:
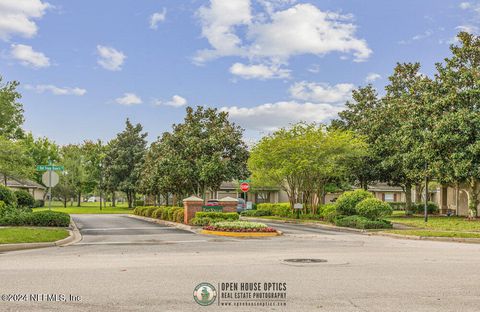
30 235
93 208
426 233
439 223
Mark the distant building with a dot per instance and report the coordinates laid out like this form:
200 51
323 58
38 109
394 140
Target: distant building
37 190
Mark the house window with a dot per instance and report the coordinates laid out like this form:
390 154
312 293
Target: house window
389 197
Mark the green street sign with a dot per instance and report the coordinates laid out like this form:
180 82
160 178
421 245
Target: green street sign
49 168
244 181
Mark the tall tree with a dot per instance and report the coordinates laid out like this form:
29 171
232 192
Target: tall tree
455 138
41 151
11 111
125 159
75 173
94 155
14 161
303 159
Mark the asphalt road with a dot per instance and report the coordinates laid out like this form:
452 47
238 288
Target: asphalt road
125 264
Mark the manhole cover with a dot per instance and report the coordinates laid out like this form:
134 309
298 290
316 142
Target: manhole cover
306 260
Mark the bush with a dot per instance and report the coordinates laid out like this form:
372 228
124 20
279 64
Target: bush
359 222
239 226
419 208
139 203
24 199
148 212
256 213
39 203
309 216
202 221
7 196
179 217
157 213
328 212
279 209
40 218
4 209
373 209
231 216
347 201
398 205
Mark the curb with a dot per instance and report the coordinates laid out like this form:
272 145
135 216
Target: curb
74 237
429 238
242 234
180 226
320 226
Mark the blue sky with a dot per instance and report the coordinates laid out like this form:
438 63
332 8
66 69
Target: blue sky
85 66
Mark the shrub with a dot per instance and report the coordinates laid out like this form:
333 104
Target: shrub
398 205
360 222
420 208
279 209
148 211
24 199
140 203
256 213
239 226
328 212
231 216
138 210
7 196
40 218
347 201
179 217
157 213
310 216
4 209
202 221
39 203
373 209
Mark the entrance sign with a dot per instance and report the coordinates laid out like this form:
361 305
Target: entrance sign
249 205
245 187
50 179
212 208
297 206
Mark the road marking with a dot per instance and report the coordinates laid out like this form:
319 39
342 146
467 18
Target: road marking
140 228
142 243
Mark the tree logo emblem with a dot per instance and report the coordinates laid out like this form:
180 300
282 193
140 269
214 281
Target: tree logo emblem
205 294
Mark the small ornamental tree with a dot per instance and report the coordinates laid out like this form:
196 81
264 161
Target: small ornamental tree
373 209
347 202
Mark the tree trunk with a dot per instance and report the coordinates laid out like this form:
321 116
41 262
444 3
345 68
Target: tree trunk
473 199
79 198
65 202
408 199
113 199
5 179
418 193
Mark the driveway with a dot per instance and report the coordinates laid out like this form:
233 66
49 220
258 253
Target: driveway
125 264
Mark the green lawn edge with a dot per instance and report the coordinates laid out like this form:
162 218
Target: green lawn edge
17 235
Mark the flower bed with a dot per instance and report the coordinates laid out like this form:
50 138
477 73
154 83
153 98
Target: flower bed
239 226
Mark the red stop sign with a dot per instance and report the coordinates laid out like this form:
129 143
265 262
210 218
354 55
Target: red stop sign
244 187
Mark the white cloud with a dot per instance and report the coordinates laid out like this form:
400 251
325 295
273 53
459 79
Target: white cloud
300 29
57 90
28 57
175 101
157 17
272 116
321 92
472 29
17 17
110 58
465 5
129 99
371 77
259 71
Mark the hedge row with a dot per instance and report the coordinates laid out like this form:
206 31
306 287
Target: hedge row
279 209
208 218
40 218
167 213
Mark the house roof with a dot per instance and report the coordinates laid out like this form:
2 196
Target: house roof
384 187
234 186
22 183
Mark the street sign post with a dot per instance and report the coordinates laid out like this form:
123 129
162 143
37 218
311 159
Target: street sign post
50 178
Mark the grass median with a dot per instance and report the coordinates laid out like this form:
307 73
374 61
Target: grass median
437 226
15 235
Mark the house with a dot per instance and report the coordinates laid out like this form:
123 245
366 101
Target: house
259 195
37 190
